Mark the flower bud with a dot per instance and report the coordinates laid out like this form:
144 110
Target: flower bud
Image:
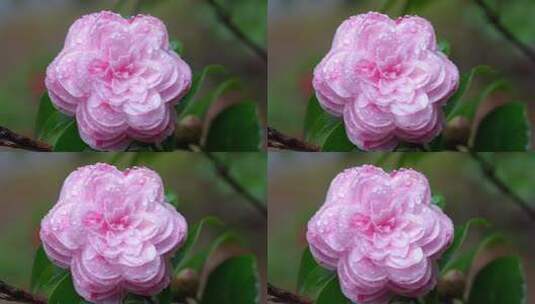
185 284
189 130
457 132
452 284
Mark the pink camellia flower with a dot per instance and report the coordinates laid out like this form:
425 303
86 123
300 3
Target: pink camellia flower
120 79
381 234
115 232
387 79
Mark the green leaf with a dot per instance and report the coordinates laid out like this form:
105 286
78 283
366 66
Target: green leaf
337 141
172 198
69 140
177 46
324 130
64 293
45 110
193 236
468 109
452 106
312 278
198 81
500 281
332 294
45 275
458 239
413 6
54 127
235 281
505 128
236 128
464 261
50 123
444 46
197 261
165 297
439 200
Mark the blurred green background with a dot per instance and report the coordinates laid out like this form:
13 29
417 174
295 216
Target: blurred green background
298 183
30 185
300 34
32 34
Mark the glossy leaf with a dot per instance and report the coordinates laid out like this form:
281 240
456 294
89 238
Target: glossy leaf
324 130
193 236
337 141
469 108
464 261
45 110
312 278
172 198
69 140
500 281
196 84
459 236
439 201
235 281
444 46
197 261
177 46
236 128
332 294
505 128
45 275
453 105
65 293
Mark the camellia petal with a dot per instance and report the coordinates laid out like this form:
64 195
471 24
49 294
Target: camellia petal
114 231
118 77
381 234
395 67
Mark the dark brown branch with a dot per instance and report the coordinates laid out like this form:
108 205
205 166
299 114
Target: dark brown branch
494 20
11 139
281 141
223 171
278 295
226 19
14 294
490 173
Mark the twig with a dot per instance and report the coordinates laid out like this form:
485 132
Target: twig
278 295
494 19
281 141
11 139
490 173
223 171
226 20
14 294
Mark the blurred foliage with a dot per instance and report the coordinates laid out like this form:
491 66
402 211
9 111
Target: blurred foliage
37 32
188 177
455 176
298 42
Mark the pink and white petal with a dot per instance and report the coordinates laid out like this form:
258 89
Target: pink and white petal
328 83
368 137
417 33
329 233
150 30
